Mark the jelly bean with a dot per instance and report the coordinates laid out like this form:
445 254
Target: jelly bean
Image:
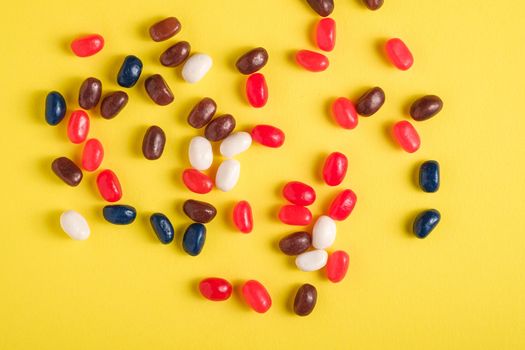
323 233
342 205
425 222
242 217
305 300
426 107
89 94
295 243
215 289
337 266
370 102
162 227
268 136
295 215
334 169
202 113
406 136
78 126
92 155
75 225
227 175
312 61
322 7
158 90
220 127
198 211
119 214
200 153
55 108
252 61
193 239
87 45
165 29
196 67
256 296
311 261
399 54
196 181
67 171
113 103
130 71
109 186
257 90
344 113
153 143
325 34
373 4
235 144
429 176
299 193
176 54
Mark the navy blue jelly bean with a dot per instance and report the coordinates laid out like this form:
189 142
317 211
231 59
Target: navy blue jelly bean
429 176
425 222
55 108
119 214
130 71
162 227
193 240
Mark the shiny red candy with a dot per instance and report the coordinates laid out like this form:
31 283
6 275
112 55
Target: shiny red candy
406 136
109 186
87 45
334 169
342 205
268 135
78 126
242 217
337 266
256 296
215 289
257 90
312 61
299 193
325 34
92 155
196 181
399 54
295 215
344 113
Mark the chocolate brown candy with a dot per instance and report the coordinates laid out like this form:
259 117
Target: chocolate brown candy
153 143
175 54
89 94
164 29
322 7
370 102
252 61
202 113
198 211
295 243
158 90
426 107
220 127
66 170
373 4
113 103
305 300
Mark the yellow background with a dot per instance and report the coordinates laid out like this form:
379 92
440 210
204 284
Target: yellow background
461 288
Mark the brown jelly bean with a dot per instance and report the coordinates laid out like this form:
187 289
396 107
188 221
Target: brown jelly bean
322 7
202 113
199 211
295 243
153 143
164 29
370 102
426 107
175 54
89 94
113 103
305 300
66 170
373 4
252 61
220 127
158 90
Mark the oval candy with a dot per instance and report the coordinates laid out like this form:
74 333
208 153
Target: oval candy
194 238
268 136
323 232
196 181
200 153
337 266
311 261
89 93
299 193
252 61
256 296
334 169
55 108
153 143
109 186
67 171
312 61
119 214
130 71
75 225
158 90
295 243
426 222
202 113
429 178
113 103
235 144
370 102
295 215
373 4
344 113
342 205
196 67
162 227
257 90
305 300
176 54
406 136
92 155
165 29
227 175
215 289
399 54
78 126
198 211
322 7
325 34
87 45
242 217
219 128
426 107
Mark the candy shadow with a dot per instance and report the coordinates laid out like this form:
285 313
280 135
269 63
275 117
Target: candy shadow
113 68
241 90
312 29
193 287
142 30
409 222
52 222
328 111
135 142
290 57
44 168
318 166
65 45
150 235
290 300
238 298
415 174
379 46
387 131
38 106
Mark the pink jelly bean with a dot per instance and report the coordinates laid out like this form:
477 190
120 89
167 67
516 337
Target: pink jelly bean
242 217
312 61
92 155
87 45
337 266
342 205
256 296
344 113
325 34
268 135
256 90
78 126
295 215
299 193
399 54
334 169
406 136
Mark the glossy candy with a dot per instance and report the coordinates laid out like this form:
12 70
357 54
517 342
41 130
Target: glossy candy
373 4
87 45
109 186
196 67
200 153
334 169
55 108
252 61
426 107
337 266
67 171
429 176
165 29
92 155
305 300
130 71
194 238
312 61
119 214
176 54
370 102
196 181
158 90
153 143
202 113
295 243
406 136
78 126
242 217
344 113
324 232
113 103
322 7
299 193
219 128
325 34
425 222
256 296
162 227
215 289
227 175
198 211
89 93
295 215
311 261
342 205
257 90
268 136
75 225
399 54
235 144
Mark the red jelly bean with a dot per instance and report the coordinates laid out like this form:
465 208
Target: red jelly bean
215 289
399 54
344 113
342 205
78 126
256 296
325 34
337 266
312 61
268 135
334 169
295 215
242 217
87 45
109 186
299 193
406 135
257 90
196 181
92 155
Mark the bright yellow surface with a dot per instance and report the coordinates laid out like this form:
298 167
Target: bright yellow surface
461 288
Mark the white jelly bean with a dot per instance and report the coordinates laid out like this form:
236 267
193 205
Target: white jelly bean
74 225
196 67
227 175
311 261
200 153
235 144
324 232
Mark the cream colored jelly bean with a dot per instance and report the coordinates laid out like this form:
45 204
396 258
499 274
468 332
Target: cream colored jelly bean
200 153
75 225
235 144
228 175
324 232
196 67
311 261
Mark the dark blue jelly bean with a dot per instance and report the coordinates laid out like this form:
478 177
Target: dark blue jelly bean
55 108
194 238
119 214
162 227
429 176
425 222
130 71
